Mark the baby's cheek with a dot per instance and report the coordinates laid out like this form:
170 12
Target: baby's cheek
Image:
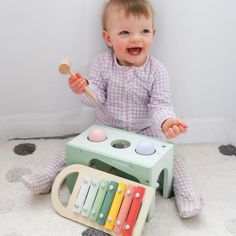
119 49
148 44
120 44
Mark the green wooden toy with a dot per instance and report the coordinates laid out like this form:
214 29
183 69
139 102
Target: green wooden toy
136 157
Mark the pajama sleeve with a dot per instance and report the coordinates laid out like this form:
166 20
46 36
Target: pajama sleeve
160 105
97 83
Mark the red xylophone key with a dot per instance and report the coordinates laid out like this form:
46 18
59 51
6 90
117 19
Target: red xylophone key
134 210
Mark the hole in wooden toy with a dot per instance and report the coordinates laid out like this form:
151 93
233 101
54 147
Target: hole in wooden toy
96 140
97 164
162 178
64 193
120 144
160 182
70 180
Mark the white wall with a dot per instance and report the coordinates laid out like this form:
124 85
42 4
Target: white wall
195 40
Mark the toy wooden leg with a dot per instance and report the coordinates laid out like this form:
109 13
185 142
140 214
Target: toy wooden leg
168 182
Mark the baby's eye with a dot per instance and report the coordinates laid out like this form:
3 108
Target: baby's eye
124 32
145 31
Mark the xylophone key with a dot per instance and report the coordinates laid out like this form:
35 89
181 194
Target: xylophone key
130 189
107 203
134 210
90 198
82 194
99 199
115 206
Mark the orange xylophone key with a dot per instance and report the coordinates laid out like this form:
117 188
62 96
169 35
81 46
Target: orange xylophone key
124 209
134 210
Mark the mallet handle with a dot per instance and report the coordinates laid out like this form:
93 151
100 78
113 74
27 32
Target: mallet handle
65 68
87 89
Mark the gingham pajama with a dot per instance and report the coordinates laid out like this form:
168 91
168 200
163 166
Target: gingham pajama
135 99
132 98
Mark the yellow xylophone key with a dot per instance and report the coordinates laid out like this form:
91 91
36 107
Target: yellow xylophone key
112 215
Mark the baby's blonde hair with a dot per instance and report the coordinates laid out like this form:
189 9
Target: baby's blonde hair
135 7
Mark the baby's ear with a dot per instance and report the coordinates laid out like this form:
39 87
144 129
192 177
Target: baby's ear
107 38
154 32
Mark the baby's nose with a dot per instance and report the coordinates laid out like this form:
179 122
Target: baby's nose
135 38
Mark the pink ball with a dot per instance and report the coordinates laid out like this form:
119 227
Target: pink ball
97 135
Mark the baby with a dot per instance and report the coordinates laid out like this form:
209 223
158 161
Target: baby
132 91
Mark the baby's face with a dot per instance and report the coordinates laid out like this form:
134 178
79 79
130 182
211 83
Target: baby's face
130 37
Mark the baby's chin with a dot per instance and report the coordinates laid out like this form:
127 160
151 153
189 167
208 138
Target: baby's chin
136 63
133 59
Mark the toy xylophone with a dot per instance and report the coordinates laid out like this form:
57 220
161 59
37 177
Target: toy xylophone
104 201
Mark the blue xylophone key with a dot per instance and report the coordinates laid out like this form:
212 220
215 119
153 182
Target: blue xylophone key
82 194
90 198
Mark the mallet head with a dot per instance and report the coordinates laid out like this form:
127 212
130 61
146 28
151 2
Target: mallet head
65 67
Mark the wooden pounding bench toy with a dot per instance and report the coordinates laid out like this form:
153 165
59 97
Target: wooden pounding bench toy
104 201
136 157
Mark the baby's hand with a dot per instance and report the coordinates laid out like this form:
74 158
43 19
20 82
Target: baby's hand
173 126
77 83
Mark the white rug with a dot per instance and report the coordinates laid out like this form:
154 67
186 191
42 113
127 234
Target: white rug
25 214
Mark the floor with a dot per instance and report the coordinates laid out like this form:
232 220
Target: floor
23 214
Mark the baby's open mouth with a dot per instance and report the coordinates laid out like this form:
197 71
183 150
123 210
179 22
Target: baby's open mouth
134 51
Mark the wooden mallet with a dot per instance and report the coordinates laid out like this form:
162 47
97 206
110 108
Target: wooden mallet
65 68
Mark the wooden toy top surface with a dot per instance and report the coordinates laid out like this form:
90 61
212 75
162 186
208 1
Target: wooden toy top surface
127 154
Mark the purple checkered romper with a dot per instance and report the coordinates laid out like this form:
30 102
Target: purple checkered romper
131 98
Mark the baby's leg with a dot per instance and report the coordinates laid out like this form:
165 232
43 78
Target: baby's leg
187 200
42 181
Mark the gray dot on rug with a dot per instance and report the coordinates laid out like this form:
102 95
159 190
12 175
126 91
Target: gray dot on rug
94 232
231 226
228 150
15 175
24 149
6 205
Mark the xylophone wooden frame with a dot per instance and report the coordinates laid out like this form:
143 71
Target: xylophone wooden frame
67 211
